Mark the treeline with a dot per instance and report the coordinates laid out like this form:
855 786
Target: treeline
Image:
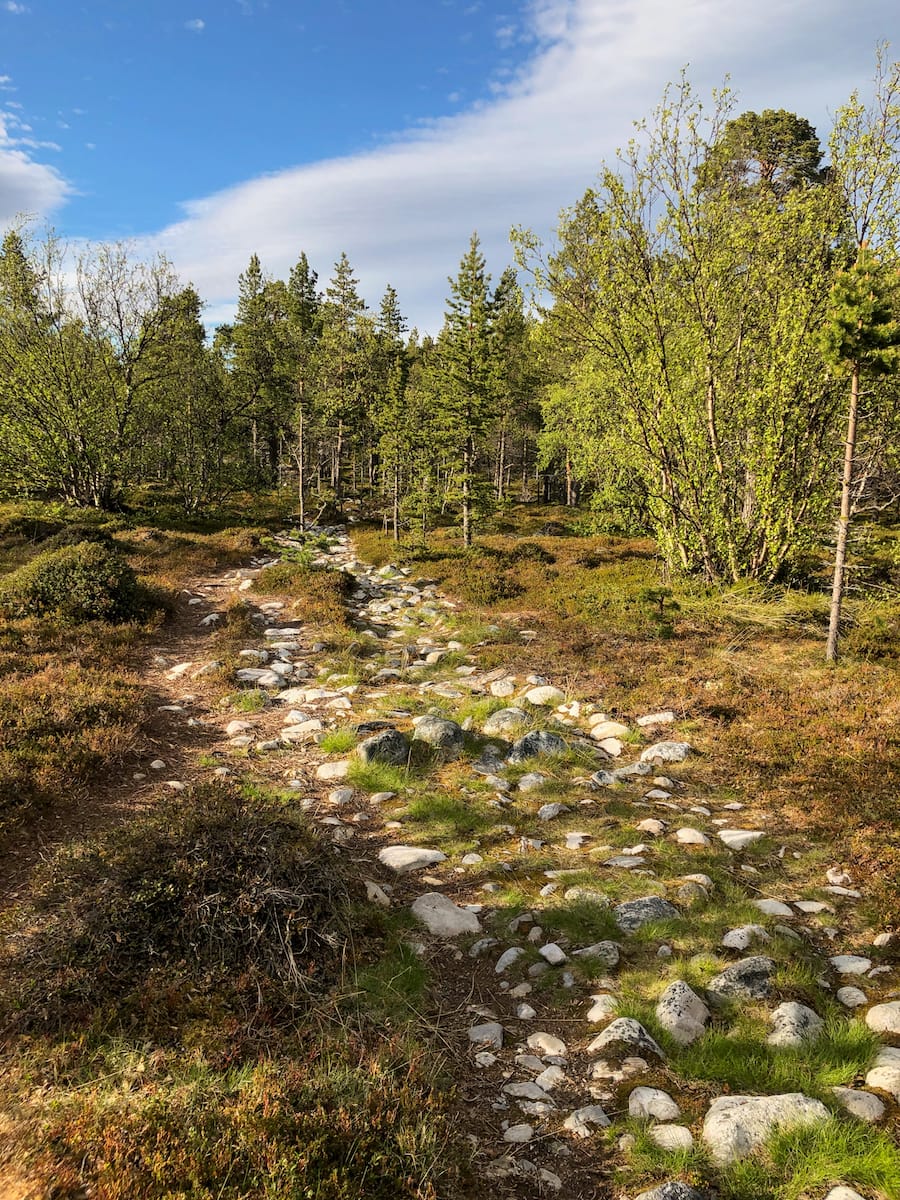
110 381
709 356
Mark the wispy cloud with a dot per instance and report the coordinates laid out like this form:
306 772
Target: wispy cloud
6 83
404 212
16 9
197 25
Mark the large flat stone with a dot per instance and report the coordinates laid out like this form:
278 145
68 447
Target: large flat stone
736 1126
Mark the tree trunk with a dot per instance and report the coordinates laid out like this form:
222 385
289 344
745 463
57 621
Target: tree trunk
843 526
570 484
396 504
301 465
501 462
468 456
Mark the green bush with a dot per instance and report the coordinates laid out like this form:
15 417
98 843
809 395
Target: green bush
84 582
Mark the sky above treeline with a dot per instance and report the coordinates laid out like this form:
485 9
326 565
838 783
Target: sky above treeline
389 129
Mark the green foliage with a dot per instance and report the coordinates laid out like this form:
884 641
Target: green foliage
85 582
338 741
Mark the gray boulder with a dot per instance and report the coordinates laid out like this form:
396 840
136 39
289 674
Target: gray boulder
539 741
749 979
735 1126
633 914
682 1013
444 736
793 1024
628 1035
390 747
505 723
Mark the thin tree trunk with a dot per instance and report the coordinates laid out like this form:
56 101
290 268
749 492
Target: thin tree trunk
570 485
843 526
501 462
396 504
301 464
467 494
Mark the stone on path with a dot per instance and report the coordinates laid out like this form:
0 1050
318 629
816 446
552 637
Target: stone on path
330 771
403 859
390 747
547 812
518 1134
547 1045
884 1018
628 1033
506 722
442 735
794 1024
735 1126
584 1121
604 1006
682 1013
648 1103
443 917
749 979
773 908
666 717
739 839
545 697
850 964
851 997
673 1190
488 1034
507 958
885 1073
666 752
862 1105
537 742
633 914
740 938
691 837
671 1137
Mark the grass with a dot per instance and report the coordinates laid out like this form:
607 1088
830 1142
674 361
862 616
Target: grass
452 823
377 777
319 593
251 700
338 741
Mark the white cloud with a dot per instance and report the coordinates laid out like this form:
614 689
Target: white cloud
196 25
16 9
27 188
404 212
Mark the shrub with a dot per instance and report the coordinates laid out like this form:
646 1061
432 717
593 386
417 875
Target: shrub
84 582
320 592
216 893
530 552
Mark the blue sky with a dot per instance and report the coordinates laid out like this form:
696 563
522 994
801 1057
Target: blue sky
391 130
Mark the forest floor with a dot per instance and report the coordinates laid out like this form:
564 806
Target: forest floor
661 873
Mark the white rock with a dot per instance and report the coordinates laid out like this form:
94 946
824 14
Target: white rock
488 1034
604 1006
794 1024
838 876
601 728
862 1105
518 1134
884 1018
583 1121
773 908
553 954
851 997
811 906
626 1031
658 718
682 1013
666 752
403 859
507 958
547 696
443 917
528 1090
850 964
547 812
741 938
611 746
691 837
330 771
735 1126
376 894
233 728
885 1074
525 1012
844 1193
653 827
651 1103
671 1137
550 1078
547 1045
157 765
739 839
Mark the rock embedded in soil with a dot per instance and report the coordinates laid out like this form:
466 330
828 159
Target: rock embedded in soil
585 1121
506 722
739 839
674 1138
389 747
885 1018
446 737
666 752
885 1073
488 1034
691 837
648 1103
627 1033
537 742
507 958
862 1105
735 1126
404 859
545 697
673 1190
794 1024
547 1045
749 979
518 1134
741 938
841 1192
633 914
682 1013
852 997
443 917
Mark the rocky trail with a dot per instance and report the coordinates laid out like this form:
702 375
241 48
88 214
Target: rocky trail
597 889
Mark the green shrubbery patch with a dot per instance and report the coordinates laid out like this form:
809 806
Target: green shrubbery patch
89 581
